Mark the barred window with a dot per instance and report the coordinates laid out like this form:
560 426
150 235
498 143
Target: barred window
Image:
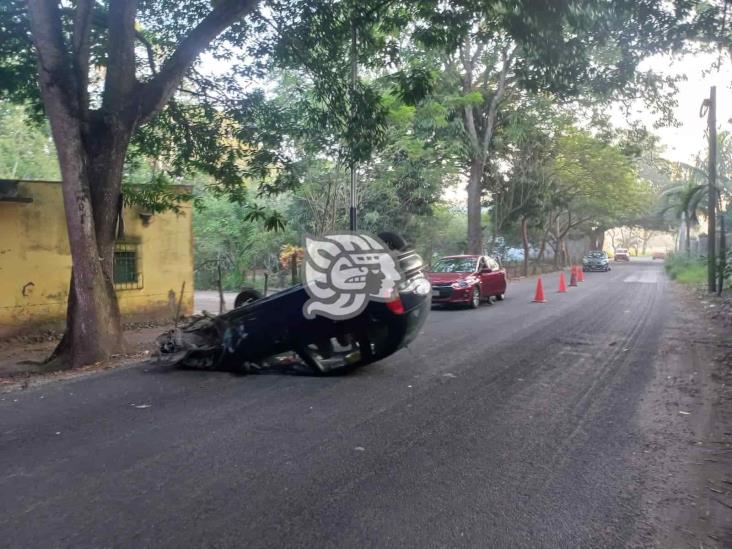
127 274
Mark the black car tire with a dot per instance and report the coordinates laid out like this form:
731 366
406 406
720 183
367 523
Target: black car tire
245 296
393 240
475 301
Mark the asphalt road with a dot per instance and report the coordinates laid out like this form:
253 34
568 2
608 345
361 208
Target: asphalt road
511 426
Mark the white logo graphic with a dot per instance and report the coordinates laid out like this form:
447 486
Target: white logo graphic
344 271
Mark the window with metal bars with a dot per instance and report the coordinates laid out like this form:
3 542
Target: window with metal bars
127 275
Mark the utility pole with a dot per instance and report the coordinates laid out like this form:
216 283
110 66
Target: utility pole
711 103
353 223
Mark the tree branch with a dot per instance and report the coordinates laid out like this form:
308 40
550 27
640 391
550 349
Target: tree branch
81 48
149 50
156 93
54 67
120 78
469 113
496 99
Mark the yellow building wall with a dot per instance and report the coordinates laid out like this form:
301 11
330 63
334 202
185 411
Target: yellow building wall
35 264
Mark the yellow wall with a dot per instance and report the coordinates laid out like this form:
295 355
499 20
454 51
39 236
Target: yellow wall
35 264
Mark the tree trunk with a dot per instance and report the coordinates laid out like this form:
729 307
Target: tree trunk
94 329
475 230
559 253
93 319
525 241
220 287
597 238
91 147
688 235
565 254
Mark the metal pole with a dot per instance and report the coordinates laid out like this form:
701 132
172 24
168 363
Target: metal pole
722 250
353 222
711 217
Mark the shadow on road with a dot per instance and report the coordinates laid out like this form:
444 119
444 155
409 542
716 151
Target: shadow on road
290 367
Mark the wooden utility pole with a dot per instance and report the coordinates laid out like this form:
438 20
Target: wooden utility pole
711 103
712 218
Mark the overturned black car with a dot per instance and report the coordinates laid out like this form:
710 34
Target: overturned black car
261 331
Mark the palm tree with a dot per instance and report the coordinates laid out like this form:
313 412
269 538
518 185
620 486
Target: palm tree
687 201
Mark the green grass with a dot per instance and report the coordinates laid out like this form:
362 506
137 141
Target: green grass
686 270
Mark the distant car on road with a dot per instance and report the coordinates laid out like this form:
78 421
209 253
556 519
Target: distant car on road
659 255
467 280
621 254
596 261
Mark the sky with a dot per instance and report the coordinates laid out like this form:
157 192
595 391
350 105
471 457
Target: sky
681 143
684 142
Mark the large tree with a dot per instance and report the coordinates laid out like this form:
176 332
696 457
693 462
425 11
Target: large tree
494 52
104 70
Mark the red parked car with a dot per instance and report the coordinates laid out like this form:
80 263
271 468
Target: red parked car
467 280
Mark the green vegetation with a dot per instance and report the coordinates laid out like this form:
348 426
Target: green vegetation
686 270
492 96
26 148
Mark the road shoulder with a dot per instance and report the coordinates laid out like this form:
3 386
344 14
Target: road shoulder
687 422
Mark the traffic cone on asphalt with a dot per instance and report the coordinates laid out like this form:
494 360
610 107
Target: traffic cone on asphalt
580 274
562 283
573 278
539 296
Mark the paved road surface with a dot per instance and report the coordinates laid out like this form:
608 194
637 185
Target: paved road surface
513 425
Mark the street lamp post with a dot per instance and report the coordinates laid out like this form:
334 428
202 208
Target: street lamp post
353 222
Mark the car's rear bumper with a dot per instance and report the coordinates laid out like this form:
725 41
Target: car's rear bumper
596 268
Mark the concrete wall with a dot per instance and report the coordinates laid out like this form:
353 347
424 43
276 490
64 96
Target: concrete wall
35 264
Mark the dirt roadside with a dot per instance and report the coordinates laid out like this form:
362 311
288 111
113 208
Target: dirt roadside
687 422
21 358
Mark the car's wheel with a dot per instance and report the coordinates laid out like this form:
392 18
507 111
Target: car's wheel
500 297
247 295
475 298
393 240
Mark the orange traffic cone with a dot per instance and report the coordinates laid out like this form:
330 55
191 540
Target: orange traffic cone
573 277
539 296
562 283
580 274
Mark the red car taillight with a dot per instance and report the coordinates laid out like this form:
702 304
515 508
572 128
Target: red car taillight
395 306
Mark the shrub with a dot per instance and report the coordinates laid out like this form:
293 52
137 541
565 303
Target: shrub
686 270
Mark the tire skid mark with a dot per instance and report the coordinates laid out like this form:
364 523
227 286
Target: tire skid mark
593 399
